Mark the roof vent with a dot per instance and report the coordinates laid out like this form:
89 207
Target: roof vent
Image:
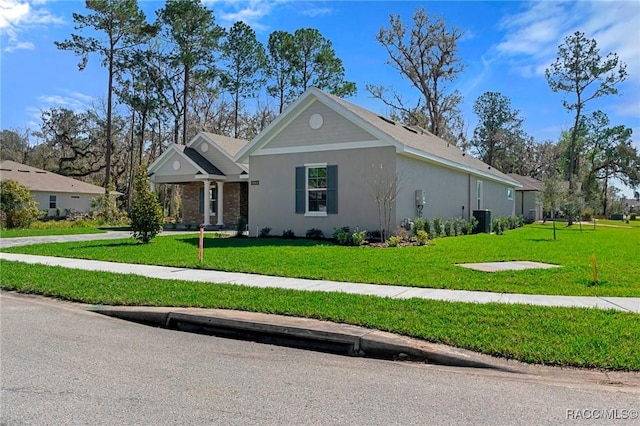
23 171
41 172
387 120
410 129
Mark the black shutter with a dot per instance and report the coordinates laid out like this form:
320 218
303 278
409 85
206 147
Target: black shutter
300 189
332 189
201 200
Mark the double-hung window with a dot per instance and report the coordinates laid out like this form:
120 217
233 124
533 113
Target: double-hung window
53 201
317 189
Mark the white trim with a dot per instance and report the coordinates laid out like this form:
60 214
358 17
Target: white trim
220 212
315 214
324 147
166 156
209 177
207 202
479 195
307 190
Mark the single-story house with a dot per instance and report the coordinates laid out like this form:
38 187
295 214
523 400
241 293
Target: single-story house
321 164
215 186
53 192
528 197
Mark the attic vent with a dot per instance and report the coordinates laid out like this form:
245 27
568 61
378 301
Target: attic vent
410 129
387 120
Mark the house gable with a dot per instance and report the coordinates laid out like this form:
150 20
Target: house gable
175 166
219 150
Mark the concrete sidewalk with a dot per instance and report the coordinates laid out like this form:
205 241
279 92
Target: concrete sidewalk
628 304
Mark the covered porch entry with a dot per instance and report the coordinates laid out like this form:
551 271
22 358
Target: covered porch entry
213 194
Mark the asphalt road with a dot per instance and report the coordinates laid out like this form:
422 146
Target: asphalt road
61 365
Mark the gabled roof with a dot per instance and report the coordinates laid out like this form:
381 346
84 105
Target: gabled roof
229 145
201 162
413 142
41 180
528 183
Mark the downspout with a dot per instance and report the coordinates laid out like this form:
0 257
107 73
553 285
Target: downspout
469 196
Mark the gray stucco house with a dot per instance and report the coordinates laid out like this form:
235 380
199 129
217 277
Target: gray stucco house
528 197
53 192
317 165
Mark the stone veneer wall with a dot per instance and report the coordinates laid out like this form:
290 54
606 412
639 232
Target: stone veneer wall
235 203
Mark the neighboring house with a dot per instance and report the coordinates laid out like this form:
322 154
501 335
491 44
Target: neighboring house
214 185
631 205
318 163
528 197
53 192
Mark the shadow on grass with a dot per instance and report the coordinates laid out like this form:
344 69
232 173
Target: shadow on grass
252 242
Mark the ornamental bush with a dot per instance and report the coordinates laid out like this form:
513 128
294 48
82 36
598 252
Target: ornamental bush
18 208
147 217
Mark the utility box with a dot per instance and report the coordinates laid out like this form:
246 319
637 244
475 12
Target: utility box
421 198
484 221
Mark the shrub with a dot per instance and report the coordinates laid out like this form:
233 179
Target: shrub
288 233
428 228
107 211
342 236
438 228
421 237
264 232
632 216
469 225
394 240
241 226
358 237
497 224
18 208
147 217
418 225
315 234
449 230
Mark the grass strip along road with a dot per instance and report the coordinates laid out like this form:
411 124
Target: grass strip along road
546 335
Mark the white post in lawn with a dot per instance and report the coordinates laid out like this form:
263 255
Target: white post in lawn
220 212
207 202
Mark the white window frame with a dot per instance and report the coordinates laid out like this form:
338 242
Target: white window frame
213 201
510 192
307 190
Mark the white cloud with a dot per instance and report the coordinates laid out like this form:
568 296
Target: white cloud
317 11
18 16
250 12
536 33
19 45
75 101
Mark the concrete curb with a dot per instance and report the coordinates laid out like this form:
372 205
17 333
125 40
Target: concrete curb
304 333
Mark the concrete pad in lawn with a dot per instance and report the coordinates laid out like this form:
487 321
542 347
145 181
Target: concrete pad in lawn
507 266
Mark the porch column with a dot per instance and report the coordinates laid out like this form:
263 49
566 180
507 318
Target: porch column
220 204
152 186
207 202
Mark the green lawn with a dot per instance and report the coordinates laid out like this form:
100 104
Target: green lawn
553 336
38 232
616 250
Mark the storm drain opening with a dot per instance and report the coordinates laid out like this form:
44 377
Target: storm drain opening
272 338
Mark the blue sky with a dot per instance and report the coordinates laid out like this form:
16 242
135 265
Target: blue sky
506 47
